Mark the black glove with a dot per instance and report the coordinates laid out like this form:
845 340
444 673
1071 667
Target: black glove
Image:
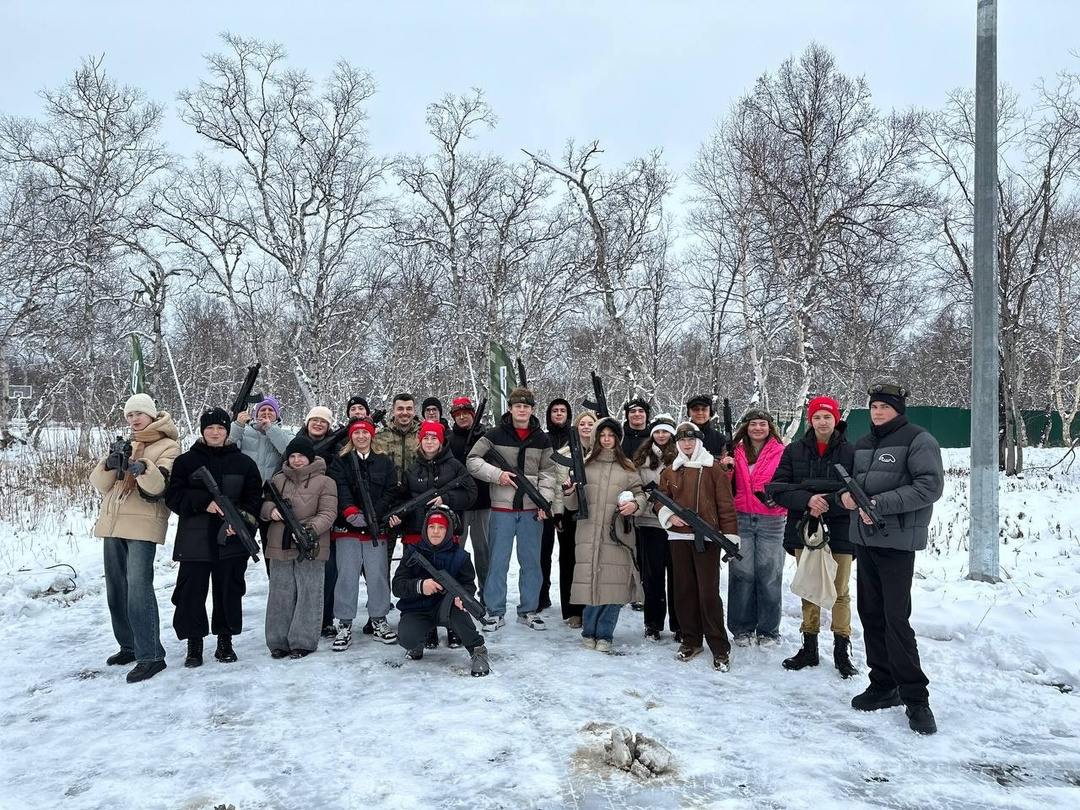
137 468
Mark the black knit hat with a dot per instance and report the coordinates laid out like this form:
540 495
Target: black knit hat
432 401
610 423
214 416
889 392
300 444
357 400
637 402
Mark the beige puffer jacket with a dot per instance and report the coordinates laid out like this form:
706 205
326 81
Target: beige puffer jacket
604 571
312 494
132 508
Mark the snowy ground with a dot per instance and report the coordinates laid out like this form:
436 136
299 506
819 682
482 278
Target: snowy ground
359 729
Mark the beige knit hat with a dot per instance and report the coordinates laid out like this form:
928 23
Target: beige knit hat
140 403
320 412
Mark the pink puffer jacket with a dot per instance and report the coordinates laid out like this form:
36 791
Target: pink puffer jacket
748 481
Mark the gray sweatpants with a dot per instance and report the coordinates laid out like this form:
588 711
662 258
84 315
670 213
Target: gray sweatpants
294 607
476 524
354 556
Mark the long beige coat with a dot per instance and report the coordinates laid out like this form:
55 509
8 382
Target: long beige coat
313 497
134 509
604 571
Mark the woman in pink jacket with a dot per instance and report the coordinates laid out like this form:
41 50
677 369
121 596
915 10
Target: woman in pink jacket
754 582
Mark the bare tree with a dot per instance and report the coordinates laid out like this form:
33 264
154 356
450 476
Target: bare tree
308 187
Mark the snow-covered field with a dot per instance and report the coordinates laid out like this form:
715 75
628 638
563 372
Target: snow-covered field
361 729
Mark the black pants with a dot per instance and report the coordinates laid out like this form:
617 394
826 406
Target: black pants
329 583
193 582
413 628
657 578
884 601
567 538
547 547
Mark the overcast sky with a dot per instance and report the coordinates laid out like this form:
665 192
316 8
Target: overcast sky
635 75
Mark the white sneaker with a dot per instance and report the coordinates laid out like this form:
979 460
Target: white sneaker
492 623
532 621
588 643
383 632
603 645
343 638
768 641
744 640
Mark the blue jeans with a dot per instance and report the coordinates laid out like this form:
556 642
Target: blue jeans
129 590
598 621
754 592
503 527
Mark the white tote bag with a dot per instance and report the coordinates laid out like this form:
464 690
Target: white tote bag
815 577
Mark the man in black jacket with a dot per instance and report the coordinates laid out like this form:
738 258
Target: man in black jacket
207 549
635 427
474 520
806 484
898 464
699 410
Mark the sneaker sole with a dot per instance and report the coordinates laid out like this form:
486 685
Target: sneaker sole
384 640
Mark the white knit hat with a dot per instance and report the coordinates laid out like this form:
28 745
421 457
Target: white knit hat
140 403
320 412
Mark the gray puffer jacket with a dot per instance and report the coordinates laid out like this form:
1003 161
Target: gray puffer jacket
265 449
899 466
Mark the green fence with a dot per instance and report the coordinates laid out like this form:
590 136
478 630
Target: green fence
952 426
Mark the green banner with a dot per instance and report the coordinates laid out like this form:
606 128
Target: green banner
501 381
138 370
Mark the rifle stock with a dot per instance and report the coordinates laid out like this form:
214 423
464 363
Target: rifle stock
521 480
599 404
421 500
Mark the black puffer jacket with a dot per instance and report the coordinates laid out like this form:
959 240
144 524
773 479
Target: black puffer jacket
425 474
198 531
457 442
632 439
379 475
801 464
899 466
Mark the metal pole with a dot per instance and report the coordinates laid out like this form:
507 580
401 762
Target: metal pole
983 554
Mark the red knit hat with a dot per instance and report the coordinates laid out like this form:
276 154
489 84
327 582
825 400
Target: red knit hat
823 404
439 519
431 428
462 404
362 424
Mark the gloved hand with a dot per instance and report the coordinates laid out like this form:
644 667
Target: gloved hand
137 468
356 519
110 462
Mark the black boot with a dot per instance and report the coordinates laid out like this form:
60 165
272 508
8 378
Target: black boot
921 719
807 656
841 653
121 657
874 698
453 641
194 653
143 671
224 652
432 642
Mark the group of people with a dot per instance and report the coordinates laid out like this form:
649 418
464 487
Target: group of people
436 486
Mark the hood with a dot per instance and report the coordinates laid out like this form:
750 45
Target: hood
303 474
700 458
569 415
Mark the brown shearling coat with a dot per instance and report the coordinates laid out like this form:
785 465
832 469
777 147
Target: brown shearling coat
313 497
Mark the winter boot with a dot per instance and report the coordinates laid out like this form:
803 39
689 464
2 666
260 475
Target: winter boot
480 666
194 653
841 653
453 641
721 663
415 654
921 719
294 654
121 657
224 652
807 656
279 653
329 631
432 640
876 697
142 671
368 629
